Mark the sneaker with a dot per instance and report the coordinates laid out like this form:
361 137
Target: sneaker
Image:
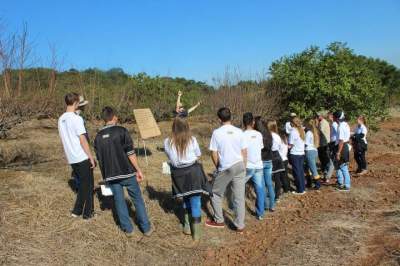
149 233
363 172
299 193
211 223
343 188
239 231
129 234
272 209
260 218
73 215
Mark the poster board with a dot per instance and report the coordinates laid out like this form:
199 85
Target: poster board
146 123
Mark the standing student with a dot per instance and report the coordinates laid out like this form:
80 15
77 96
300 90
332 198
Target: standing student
278 169
81 108
76 147
312 143
283 152
296 157
342 152
180 111
324 140
188 178
331 147
289 124
229 154
360 145
254 168
119 168
266 156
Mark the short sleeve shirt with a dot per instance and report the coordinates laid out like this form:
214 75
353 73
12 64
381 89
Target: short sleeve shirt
297 143
362 129
255 144
343 132
228 141
70 127
309 141
189 157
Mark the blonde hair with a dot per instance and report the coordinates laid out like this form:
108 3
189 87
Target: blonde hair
311 125
181 136
297 125
272 126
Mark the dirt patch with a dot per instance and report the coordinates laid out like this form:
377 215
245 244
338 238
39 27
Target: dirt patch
324 227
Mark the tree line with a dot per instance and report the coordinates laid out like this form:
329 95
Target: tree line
305 82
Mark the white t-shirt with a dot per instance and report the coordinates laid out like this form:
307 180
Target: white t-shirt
228 141
276 142
297 142
334 131
288 127
190 156
362 129
283 151
343 132
255 144
70 127
309 141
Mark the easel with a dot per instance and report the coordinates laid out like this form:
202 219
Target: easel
148 128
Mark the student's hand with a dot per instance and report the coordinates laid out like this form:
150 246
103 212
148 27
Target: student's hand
199 102
179 93
139 176
92 163
338 156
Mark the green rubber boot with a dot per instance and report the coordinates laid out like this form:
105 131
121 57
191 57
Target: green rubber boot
186 224
196 228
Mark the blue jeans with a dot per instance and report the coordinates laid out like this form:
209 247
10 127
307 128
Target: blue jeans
121 207
257 176
270 192
343 175
311 157
192 204
297 162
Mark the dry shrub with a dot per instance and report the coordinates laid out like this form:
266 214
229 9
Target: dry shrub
261 97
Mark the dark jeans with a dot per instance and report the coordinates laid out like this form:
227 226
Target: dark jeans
323 156
297 162
281 180
121 207
84 198
359 156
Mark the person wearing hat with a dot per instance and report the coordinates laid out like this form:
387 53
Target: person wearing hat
323 149
342 150
81 108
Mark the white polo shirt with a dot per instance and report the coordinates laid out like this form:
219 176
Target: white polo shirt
70 127
276 142
255 144
297 142
343 132
228 141
190 156
309 141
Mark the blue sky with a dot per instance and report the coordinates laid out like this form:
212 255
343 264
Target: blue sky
199 39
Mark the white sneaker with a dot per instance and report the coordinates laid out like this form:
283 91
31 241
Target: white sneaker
73 215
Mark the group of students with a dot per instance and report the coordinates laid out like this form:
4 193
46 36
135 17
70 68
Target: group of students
259 153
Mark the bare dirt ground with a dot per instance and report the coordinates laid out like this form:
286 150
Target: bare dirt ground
324 227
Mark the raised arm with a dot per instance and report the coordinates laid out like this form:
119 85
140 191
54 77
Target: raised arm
191 109
178 102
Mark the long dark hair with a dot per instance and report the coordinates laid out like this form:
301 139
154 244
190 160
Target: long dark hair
260 127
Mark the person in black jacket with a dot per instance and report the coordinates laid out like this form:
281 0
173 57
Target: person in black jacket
119 168
266 155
